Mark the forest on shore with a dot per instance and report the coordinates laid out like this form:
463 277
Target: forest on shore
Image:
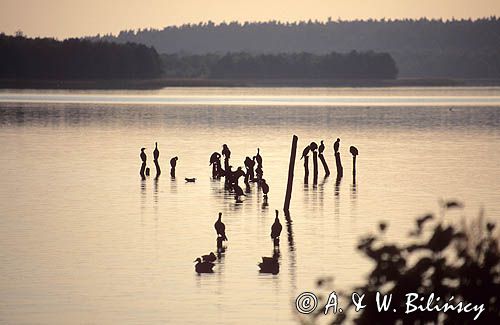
422 48
353 65
46 58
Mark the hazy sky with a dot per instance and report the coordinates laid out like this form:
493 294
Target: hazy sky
64 18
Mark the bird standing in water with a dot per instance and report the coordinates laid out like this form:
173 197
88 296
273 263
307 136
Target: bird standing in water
336 145
143 155
156 152
258 158
276 227
203 267
220 227
238 191
265 187
305 152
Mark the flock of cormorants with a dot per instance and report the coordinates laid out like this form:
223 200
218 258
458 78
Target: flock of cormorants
254 173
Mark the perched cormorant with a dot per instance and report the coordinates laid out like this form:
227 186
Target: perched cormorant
353 150
313 146
336 145
321 147
276 227
209 258
305 152
225 151
220 227
156 152
143 155
265 187
173 162
258 158
214 158
203 267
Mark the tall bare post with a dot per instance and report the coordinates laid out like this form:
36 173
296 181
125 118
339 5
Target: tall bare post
325 166
340 169
306 169
291 167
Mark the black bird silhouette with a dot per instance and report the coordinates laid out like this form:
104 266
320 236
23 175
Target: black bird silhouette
353 150
143 155
220 227
173 162
305 152
203 267
313 146
225 151
336 145
214 158
451 204
265 187
269 265
321 147
238 191
209 258
276 227
156 152
258 158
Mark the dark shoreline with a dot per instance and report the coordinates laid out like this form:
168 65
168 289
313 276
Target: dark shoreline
152 84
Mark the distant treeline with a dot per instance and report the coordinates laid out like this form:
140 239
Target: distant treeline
44 58
421 48
352 65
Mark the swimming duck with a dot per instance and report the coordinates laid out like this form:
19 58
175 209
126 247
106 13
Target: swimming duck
203 267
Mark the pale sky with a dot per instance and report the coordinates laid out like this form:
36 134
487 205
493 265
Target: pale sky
66 18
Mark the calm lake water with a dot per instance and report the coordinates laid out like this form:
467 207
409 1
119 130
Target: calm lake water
83 239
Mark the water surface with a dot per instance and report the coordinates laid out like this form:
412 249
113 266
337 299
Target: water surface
83 238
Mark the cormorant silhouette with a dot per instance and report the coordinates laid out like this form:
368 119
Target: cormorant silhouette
336 145
265 187
269 265
173 162
258 158
225 151
143 155
313 146
276 227
203 267
156 152
220 227
305 152
353 150
209 258
238 191
321 147
214 158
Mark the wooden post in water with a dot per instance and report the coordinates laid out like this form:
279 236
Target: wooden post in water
291 167
325 166
315 167
340 169
306 169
